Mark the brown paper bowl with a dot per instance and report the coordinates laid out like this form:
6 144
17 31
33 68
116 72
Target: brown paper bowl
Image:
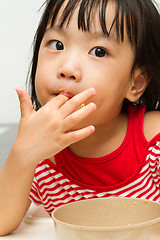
108 218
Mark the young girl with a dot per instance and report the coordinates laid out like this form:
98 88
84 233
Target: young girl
91 129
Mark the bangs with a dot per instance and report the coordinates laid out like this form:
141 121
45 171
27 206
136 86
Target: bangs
125 19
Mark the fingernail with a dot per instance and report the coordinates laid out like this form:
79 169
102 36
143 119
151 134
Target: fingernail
18 91
92 128
93 105
93 91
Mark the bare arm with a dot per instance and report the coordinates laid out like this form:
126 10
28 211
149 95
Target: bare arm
15 182
41 135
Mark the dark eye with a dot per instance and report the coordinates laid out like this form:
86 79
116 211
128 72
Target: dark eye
56 45
98 52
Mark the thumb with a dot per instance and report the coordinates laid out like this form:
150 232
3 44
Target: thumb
25 102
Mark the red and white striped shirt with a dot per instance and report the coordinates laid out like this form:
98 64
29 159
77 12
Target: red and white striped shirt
53 186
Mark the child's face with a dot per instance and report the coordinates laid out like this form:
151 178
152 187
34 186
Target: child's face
72 61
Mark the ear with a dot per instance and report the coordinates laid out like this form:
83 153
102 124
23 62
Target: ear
138 85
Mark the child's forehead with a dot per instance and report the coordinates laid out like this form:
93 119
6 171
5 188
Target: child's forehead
117 18
89 17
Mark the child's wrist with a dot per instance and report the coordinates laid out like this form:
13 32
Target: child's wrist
22 156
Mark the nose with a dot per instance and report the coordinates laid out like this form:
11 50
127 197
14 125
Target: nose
70 70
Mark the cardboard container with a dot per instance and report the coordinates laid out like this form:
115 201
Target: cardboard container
108 218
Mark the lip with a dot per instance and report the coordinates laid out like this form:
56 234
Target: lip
67 94
63 92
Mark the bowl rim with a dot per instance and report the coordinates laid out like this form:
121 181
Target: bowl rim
109 229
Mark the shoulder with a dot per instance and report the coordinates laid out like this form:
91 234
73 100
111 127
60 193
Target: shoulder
151 124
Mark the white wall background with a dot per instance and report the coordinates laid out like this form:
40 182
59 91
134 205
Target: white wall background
18 23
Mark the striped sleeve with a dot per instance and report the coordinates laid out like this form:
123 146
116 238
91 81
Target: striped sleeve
34 193
154 162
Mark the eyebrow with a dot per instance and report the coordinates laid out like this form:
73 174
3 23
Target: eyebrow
111 37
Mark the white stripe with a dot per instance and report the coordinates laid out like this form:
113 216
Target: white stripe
78 197
66 187
61 201
56 190
154 175
155 195
45 174
34 185
53 185
148 156
35 197
70 198
151 191
53 198
53 195
129 185
101 194
58 196
85 190
150 149
153 158
146 190
154 162
156 181
88 195
138 188
144 168
40 168
156 151
80 190
64 181
58 176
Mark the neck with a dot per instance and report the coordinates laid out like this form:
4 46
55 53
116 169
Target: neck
104 140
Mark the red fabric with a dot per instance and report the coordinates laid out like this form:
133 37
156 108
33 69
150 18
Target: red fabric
53 189
54 186
115 167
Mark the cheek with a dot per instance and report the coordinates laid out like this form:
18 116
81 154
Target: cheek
41 84
40 92
110 95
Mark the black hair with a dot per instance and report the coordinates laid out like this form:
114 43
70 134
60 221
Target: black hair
142 21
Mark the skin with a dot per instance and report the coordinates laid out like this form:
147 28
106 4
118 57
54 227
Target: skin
101 83
75 66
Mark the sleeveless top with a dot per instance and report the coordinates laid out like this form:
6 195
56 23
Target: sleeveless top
113 168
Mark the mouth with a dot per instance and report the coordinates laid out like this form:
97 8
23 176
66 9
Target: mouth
65 93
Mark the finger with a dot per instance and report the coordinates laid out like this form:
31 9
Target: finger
25 102
75 136
57 101
78 116
72 104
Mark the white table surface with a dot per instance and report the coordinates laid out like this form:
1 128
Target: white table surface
36 226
